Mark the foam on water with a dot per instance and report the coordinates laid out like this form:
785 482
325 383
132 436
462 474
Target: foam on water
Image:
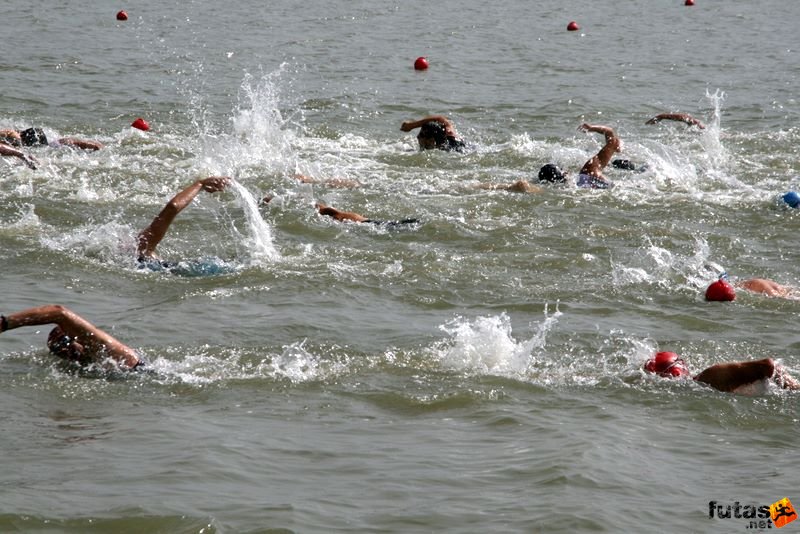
111 242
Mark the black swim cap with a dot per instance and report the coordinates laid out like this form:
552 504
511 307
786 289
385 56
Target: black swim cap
551 173
433 130
33 136
624 164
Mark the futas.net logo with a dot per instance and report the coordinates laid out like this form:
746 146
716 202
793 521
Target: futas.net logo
775 515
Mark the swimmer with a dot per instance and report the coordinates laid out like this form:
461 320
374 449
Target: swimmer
36 136
73 338
352 216
680 117
339 183
732 377
6 150
435 131
150 237
520 186
724 291
591 174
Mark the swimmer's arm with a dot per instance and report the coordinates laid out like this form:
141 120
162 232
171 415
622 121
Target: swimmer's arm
305 179
6 150
680 117
75 326
613 145
520 186
338 214
69 321
407 126
730 376
80 143
342 183
150 237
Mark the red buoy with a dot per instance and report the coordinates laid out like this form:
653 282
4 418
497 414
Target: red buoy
689 3
421 63
573 26
122 15
140 124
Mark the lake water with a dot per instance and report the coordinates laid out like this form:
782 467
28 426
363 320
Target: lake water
477 372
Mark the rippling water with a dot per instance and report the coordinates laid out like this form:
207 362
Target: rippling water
476 372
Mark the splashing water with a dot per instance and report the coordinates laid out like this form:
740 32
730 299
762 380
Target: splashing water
486 345
259 140
718 156
259 244
259 133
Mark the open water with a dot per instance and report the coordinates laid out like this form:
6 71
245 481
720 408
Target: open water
478 372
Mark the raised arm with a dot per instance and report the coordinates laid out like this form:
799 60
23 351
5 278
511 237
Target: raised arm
407 126
598 162
6 150
150 237
93 340
680 117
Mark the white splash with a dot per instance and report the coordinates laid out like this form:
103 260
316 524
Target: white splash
486 345
259 242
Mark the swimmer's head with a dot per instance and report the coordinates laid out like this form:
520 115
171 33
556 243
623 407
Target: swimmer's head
33 136
551 173
792 199
720 291
63 346
432 134
624 164
667 364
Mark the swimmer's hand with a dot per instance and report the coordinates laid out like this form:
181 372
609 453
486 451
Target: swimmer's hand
213 184
407 126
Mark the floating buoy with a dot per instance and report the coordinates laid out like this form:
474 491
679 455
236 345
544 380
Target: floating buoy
421 63
689 3
140 124
573 26
122 15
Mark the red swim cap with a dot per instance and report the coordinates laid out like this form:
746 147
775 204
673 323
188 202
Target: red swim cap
720 291
666 364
